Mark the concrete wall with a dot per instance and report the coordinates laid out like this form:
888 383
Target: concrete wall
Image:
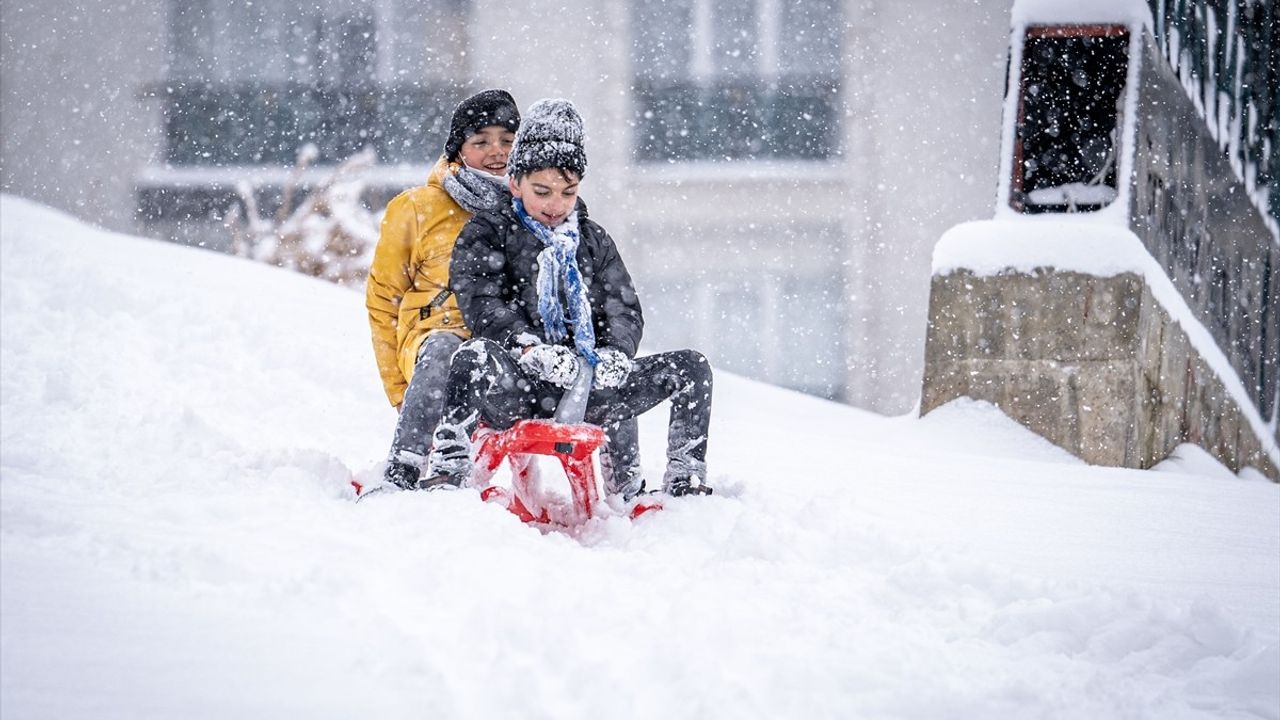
76 127
1093 364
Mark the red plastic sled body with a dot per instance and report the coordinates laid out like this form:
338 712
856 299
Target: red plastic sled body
572 445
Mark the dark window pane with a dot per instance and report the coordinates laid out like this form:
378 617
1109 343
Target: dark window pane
667 119
210 124
251 83
731 125
1072 80
798 118
803 120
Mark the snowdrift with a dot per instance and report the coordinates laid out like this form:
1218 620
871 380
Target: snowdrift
176 432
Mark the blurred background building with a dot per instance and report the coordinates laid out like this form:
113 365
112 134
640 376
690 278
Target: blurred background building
775 172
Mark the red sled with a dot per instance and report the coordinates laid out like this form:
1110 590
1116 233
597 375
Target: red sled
572 445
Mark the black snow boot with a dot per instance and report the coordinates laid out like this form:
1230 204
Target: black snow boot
684 486
449 465
402 475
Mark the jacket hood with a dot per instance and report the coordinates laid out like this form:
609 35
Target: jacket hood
439 170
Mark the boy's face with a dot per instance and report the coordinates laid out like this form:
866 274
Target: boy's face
549 195
488 149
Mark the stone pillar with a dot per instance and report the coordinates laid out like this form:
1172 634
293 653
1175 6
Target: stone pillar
1094 364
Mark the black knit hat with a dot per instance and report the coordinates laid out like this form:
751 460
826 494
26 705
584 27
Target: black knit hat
485 108
549 137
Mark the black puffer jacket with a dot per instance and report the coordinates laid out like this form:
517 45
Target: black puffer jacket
494 273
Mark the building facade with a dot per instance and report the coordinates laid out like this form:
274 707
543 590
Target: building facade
775 173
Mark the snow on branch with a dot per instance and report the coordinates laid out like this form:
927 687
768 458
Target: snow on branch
326 232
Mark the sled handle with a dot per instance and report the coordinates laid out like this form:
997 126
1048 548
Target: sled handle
573 404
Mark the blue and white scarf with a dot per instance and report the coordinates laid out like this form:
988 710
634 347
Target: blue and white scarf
557 267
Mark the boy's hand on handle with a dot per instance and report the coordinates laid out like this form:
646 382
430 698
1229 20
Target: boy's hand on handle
613 368
556 364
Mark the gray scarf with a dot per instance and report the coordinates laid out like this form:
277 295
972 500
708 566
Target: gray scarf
475 190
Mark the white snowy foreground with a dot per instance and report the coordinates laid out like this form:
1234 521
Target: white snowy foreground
178 428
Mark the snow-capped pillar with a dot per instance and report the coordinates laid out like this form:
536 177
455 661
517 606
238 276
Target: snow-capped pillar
1123 300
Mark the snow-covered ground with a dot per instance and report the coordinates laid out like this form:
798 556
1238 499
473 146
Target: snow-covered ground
176 433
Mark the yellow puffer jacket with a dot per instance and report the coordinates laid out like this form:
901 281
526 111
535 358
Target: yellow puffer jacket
408 289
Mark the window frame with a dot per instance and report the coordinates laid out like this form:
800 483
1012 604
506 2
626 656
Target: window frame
1017 171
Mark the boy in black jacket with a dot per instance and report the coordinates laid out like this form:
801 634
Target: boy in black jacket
541 285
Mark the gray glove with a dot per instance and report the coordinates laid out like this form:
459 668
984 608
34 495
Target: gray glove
555 364
613 368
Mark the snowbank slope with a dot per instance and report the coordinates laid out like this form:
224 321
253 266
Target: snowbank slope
176 431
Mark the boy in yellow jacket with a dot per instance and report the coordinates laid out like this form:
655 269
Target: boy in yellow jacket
414 317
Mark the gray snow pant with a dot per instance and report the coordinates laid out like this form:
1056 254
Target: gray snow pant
486 383
424 403
424 400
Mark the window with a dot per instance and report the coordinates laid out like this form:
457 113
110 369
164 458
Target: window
251 83
736 79
1065 151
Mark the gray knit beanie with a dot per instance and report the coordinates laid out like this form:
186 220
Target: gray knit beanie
550 136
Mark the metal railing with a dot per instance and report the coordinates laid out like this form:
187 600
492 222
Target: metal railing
1223 74
1227 54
